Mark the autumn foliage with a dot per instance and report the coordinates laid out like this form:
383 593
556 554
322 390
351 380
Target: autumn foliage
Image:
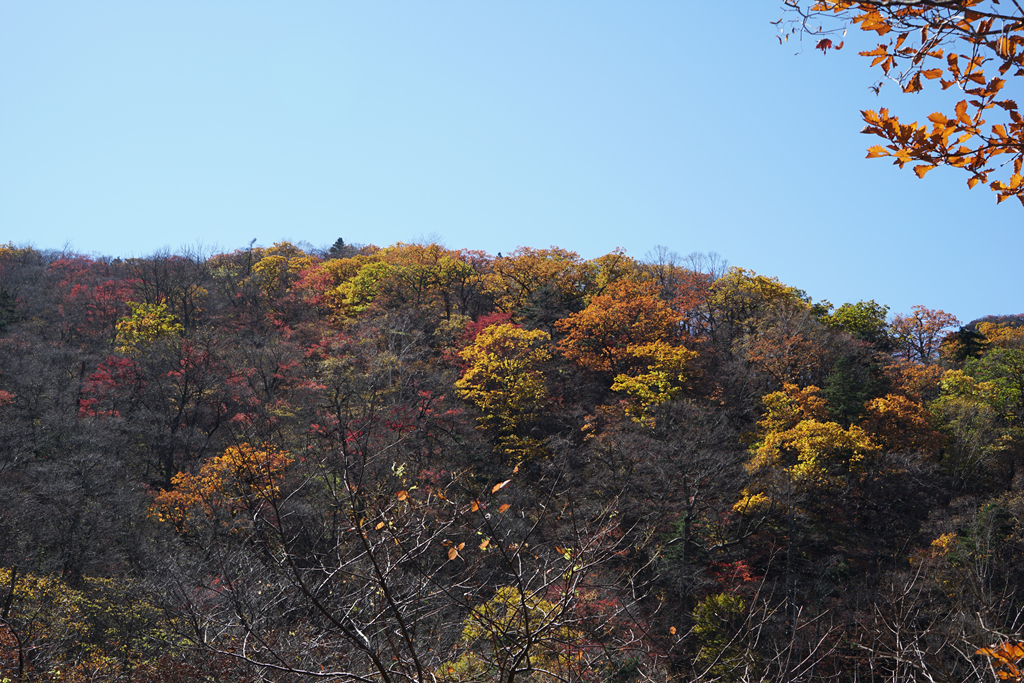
972 49
423 464
242 480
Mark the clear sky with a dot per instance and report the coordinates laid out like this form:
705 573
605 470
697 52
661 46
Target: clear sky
127 127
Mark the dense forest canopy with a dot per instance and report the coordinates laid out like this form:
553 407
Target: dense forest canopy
416 463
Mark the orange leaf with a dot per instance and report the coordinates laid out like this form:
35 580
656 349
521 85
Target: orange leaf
474 506
498 487
484 543
876 151
402 495
879 51
914 85
922 169
954 67
380 525
971 182
452 553
961 112
504 507
932 73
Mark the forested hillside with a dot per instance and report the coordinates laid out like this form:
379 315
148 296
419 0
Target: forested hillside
420 464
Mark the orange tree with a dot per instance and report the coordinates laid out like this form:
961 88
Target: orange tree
602 336
971 48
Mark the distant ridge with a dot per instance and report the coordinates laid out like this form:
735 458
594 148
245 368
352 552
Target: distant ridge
1011 320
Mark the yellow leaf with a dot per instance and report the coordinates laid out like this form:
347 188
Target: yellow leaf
971 182
876 151
922 169
504 507
452 553
1015 181
498 487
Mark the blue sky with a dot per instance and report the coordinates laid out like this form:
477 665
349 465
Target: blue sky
127 127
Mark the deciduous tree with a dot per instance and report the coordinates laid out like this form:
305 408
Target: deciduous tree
919 335
628 315
503 379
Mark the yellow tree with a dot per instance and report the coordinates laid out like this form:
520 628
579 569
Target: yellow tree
279 266
741 297
615 267
503 379
660 379
798 442
516 278
144 325
971 48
